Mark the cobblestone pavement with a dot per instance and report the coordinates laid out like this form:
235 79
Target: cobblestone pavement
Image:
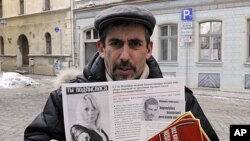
223 110
18 107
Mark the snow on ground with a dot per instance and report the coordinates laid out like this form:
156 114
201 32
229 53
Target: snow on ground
16 80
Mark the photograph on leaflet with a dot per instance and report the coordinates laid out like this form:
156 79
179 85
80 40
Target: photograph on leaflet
87 113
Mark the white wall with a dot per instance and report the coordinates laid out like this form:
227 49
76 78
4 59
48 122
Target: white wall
234 48
233 66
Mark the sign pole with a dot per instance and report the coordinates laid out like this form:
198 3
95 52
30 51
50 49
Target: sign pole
59 63
187 62
186 34
61 48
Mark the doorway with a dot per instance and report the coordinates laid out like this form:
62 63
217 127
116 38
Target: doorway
23 49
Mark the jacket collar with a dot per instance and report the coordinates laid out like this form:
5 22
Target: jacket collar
94 71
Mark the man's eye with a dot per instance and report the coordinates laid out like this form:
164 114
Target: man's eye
115 44
135 44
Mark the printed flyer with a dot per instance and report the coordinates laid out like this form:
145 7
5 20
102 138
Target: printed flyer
131 110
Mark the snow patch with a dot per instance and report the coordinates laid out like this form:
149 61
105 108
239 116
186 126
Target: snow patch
16 80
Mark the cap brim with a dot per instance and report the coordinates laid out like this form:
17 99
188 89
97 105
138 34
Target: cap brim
106 22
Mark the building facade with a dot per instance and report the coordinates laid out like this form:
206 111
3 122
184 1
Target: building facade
210 48
35 35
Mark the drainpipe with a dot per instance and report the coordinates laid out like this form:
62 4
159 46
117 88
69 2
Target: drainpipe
3 22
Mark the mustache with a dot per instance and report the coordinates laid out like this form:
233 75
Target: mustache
124 64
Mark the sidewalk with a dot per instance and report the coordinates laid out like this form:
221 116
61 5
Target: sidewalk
20 106
222 94
224 109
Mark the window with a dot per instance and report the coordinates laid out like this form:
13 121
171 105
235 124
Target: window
247 81
168 41
91 37
248 34
48 43
210 41
1 45
1 8
46 5
21 7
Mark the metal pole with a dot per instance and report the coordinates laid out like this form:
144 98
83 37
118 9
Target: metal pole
187 63
61 49
3 22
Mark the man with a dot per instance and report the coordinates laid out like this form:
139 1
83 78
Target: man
124 53
150 108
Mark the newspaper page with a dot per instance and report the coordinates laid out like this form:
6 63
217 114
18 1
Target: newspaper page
131 110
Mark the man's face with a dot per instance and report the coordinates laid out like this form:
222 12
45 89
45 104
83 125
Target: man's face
125 51
150 111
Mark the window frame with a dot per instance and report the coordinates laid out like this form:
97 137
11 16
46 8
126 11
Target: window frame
47 5
211 36
21 6
1 8
170 38
94 37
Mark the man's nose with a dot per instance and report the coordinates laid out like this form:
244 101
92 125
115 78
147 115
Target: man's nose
125 54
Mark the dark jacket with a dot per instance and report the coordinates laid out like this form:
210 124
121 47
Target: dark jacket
50 124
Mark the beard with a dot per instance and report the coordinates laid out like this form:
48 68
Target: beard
123 65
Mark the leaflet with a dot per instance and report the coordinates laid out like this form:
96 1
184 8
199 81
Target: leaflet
133 110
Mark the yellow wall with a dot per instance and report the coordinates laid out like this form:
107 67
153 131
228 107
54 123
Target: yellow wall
12 7
34 23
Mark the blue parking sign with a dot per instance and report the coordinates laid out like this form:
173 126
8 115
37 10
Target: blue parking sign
186 14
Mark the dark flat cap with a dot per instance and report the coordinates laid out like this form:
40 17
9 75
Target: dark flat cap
129 13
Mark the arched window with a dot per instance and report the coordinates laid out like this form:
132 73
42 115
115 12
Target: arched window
1 45
48 43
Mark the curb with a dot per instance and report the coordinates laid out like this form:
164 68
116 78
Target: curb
222 94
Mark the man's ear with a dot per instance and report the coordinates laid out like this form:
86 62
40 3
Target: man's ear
149 50
100 48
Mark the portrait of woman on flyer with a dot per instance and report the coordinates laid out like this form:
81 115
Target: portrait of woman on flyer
87 119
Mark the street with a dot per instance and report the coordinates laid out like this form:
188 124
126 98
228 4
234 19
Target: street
18 107
222 112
